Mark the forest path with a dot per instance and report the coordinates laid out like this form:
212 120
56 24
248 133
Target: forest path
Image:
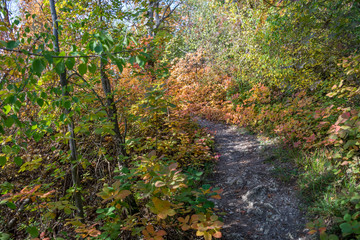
258 206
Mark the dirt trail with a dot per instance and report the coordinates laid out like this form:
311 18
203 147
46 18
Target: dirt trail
258 206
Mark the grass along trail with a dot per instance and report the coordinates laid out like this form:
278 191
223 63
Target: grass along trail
258 206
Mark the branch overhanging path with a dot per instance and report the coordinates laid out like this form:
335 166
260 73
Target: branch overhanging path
257 206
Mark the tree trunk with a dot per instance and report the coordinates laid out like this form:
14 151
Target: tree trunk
111 110
72 143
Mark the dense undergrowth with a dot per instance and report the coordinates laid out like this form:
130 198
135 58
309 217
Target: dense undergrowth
167 157
104 153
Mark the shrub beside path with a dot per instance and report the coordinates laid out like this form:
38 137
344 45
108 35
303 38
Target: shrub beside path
258 206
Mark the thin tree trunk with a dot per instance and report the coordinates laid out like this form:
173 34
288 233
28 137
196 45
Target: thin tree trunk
72 144
151 18
119 138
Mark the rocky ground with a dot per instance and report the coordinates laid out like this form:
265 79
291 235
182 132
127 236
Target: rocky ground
258 205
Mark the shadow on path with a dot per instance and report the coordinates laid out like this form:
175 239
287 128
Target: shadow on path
257 205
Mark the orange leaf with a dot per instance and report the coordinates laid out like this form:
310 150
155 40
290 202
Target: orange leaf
94 232
216 196
161 233
122 194
150 229
47 194
185 227
217 235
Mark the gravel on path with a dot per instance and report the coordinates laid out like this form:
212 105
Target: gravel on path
258 206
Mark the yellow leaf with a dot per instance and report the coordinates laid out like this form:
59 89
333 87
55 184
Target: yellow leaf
207 236
199 233
162 208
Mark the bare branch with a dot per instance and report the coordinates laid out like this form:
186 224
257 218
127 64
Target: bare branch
168 15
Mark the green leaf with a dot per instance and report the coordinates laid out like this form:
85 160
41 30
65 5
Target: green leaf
4 236
33 231
92 68
2 160
120 64
38 66
6 149
67 210
70 63
40 102
85 37
98 131
132 60
333 237
7 109
133 39
43 95
9 122
347 217
60 67
11 99
140 60
199 174
98 47
12 44
350 143
346 228
49 57
67 104
206 186
18 161
82 68
11 205
108 37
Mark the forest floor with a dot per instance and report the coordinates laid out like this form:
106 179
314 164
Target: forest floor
257 203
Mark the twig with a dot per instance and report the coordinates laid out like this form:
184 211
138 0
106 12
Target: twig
81 77
55 56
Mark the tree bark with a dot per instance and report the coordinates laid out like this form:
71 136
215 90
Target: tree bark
111 110
72 143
